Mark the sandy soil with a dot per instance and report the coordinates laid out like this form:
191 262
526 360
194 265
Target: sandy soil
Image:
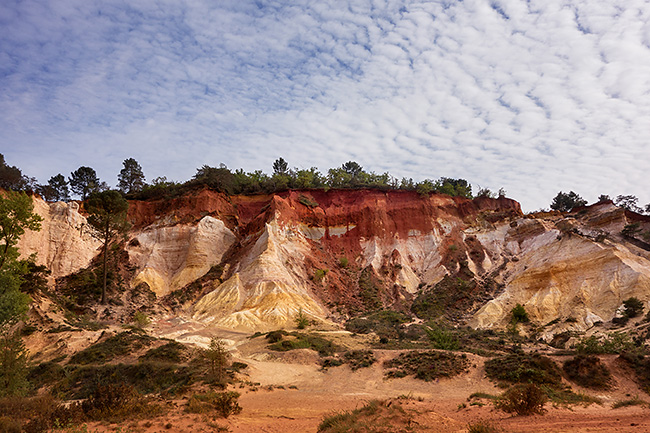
290 393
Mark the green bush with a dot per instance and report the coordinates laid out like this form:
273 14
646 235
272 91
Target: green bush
427 365
524 368
442 338
588 371
519 314
357 359
633 307
615 342
173 352
114 346
301 320
522 399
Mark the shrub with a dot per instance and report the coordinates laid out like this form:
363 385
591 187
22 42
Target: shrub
482 426
616 342
442 338
224 403
519 314
522 399
524 368
357 359
140 319
343 262
427 366
301 320
114 346
588 371
633 307
319 274
307 201
13 364
117 402
171 352
305 341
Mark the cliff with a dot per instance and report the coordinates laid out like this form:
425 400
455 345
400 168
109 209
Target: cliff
253 262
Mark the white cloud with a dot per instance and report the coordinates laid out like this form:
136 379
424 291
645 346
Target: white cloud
536 96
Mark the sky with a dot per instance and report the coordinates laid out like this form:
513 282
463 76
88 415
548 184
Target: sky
535 97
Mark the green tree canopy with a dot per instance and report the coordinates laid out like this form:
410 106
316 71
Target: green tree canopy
11 177
56 189
629 202
131 177
107 214
564 202
84 181
16 216
280 166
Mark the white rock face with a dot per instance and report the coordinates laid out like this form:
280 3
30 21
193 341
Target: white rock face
64 244
268 288
168 258
567 276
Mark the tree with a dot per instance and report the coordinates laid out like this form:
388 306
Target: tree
131 177
107 211
16 216
217 356
454 187
84 181
629 202
603 198
280 166
564 202
11 177
352 168
13 364
56 189
219 178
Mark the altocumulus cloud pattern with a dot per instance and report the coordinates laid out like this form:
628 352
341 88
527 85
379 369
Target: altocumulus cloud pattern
536 96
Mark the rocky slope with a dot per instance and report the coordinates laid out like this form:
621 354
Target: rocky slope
253 262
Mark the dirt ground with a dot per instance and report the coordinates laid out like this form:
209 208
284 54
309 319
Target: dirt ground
290 393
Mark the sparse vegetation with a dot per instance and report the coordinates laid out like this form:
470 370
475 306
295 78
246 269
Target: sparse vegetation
223 403
615 342
116 345
357 359
173 352
426 365
299 340
483 426
634 401
375 417
641 365
307 201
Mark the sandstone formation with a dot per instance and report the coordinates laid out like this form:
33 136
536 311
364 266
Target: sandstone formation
341 252
65 243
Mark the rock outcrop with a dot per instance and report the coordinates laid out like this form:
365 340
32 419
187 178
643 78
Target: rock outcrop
340 252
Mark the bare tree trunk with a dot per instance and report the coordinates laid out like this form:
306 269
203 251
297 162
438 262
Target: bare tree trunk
105 270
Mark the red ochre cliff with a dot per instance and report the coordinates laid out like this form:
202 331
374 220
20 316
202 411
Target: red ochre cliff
254 262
